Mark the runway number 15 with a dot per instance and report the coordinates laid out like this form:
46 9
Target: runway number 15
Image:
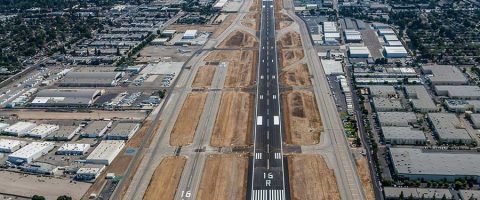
268 178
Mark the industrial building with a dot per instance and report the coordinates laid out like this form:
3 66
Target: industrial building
10 146
420 98
168 33
73 149
332 67
384 104
395 52
444 75
352 36
449 129
190 34
386 31
42 130
66 97
123 131
329 27
358 52
3 126
30 152
461 106
465 92
403 135
475 120
90 79
382 91
19 128
96 129
89 172
400 119
64 133
394 193
387 38
105 152
416 164
394 43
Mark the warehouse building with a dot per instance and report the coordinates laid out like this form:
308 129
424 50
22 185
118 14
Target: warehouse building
475 119
352 36
394 43
42 130
168 33
66 97
469 194
332 67
330 27
91 79
449 129
64 133
444 75
386 31
420 98
10 146
383 104
123 131
400 119
190 34
395 52
3 126
394 193
40 168
89 172
403 136
461 106
96 129
105 152
416 164
382 91
387 38
466 92
30 152
19 128
73 149
358 52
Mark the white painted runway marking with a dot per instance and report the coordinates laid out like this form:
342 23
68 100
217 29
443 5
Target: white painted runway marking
278 156
273 77
261 96
268 195
261 77
274 96
259 120
276 120
258 156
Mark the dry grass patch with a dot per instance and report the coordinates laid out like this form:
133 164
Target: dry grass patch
290 39
187 121
204 76
239 39
165 179
242 65
296 76
364 174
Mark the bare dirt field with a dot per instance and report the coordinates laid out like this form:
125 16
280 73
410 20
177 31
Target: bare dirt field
290 56
235 109
255 7
252 20
187 121
239 39
311 179
290 39
364 173
165 179
295 76
282 21
224 177
302 118
241 70
153 53
204 76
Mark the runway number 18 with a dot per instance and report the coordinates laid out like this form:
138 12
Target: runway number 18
187 194
268 176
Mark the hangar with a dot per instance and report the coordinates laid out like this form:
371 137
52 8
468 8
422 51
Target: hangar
90 79
66 97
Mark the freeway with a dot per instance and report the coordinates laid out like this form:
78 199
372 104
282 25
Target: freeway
267 179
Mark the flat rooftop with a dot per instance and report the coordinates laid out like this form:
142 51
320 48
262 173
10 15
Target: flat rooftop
459 91
444 74
399 133
382 90
416 161
398 118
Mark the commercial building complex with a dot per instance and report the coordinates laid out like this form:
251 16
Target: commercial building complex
403 135
123 131
384 104
19 128
420 98
66 97
90 79
449 129
10 146
105 152
415 164
400 119
444 75
73 149
64 133
96 129
465 92
31 152
42 130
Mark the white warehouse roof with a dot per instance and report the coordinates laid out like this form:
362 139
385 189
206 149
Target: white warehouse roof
359 50
9 146
31 152
19 128
73 148
3 126
105 152
42 130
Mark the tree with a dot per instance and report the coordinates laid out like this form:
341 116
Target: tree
38 197
401 197
64 197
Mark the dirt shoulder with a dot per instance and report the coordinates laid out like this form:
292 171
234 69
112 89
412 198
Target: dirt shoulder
235 108
303 124
364 174
187 121
165 179
311 179
224 177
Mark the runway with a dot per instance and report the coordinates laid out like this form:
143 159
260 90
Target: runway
267 178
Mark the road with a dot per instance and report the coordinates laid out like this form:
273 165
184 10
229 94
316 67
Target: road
267 178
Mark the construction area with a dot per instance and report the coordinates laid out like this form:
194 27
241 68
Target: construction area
165 179
311 178
235 108
187 121
224 177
